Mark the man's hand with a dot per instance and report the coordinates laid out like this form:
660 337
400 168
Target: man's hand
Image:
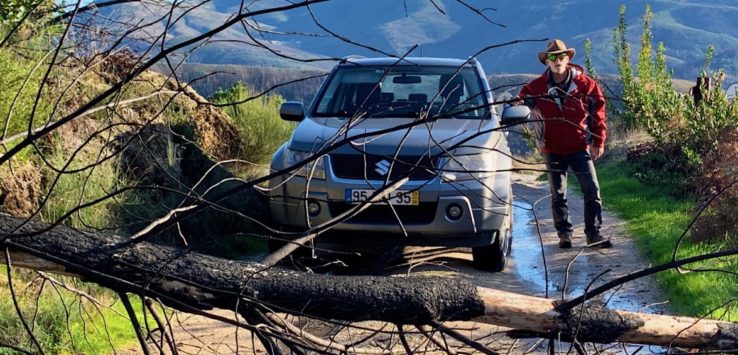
596 152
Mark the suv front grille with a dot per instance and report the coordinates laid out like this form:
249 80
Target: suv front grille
369 167
423 213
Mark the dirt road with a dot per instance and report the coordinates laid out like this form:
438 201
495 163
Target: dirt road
536 267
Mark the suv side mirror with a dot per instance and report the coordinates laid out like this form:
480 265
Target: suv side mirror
515 114
292 111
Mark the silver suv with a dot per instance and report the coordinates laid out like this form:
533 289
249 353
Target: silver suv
422 134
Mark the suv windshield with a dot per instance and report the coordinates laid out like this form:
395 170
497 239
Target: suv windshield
403 91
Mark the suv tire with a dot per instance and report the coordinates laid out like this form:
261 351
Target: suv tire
493 257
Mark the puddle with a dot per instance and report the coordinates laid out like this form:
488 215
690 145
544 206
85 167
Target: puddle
529 267
526 249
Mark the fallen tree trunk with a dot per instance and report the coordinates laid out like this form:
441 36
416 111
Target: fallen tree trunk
194 281
595 323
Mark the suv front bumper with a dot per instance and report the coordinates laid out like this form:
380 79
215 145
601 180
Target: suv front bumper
485 205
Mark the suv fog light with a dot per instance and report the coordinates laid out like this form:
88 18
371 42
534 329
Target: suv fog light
454 212
313 208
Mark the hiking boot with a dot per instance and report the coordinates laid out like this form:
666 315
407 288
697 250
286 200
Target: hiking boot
597 241
565 240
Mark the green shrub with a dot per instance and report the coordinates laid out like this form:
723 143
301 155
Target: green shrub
35 16
719 187
258 121
667 168
709 119
690 135
652 103
12 11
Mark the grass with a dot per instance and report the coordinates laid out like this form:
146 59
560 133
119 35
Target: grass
62 321
21 79
73 189
258 121
655 216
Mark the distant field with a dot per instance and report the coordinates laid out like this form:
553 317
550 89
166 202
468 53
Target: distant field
208 78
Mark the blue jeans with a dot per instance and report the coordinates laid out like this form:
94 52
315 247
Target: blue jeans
583 168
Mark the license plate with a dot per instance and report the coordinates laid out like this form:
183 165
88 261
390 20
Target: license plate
397 197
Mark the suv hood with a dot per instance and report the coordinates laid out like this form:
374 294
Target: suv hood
312 134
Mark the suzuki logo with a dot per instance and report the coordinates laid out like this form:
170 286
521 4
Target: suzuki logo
382 168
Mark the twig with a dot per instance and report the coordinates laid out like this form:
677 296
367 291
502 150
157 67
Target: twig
134 322
454 334
8 270
162 326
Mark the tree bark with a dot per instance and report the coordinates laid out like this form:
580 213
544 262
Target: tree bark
204 282
596 323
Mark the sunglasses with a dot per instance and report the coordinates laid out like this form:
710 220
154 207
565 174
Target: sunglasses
553 57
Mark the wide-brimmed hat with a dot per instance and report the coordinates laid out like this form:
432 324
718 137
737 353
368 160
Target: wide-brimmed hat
556 46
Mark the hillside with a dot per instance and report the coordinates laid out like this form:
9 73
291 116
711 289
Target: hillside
231 46
116 168
156 143
686 27
610 84
206 79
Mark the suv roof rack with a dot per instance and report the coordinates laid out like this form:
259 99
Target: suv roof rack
352 56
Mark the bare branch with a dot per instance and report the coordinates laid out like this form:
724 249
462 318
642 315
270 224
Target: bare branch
18 311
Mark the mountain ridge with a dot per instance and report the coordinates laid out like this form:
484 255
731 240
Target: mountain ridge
452 30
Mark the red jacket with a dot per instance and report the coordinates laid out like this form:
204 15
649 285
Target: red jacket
565 127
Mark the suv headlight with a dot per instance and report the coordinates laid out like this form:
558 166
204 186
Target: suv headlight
468 167
293 157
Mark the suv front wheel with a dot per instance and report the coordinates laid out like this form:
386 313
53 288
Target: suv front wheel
493 257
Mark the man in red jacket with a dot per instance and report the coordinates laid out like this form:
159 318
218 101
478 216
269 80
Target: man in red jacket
572 109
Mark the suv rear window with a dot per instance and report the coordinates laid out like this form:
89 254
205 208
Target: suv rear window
402 91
